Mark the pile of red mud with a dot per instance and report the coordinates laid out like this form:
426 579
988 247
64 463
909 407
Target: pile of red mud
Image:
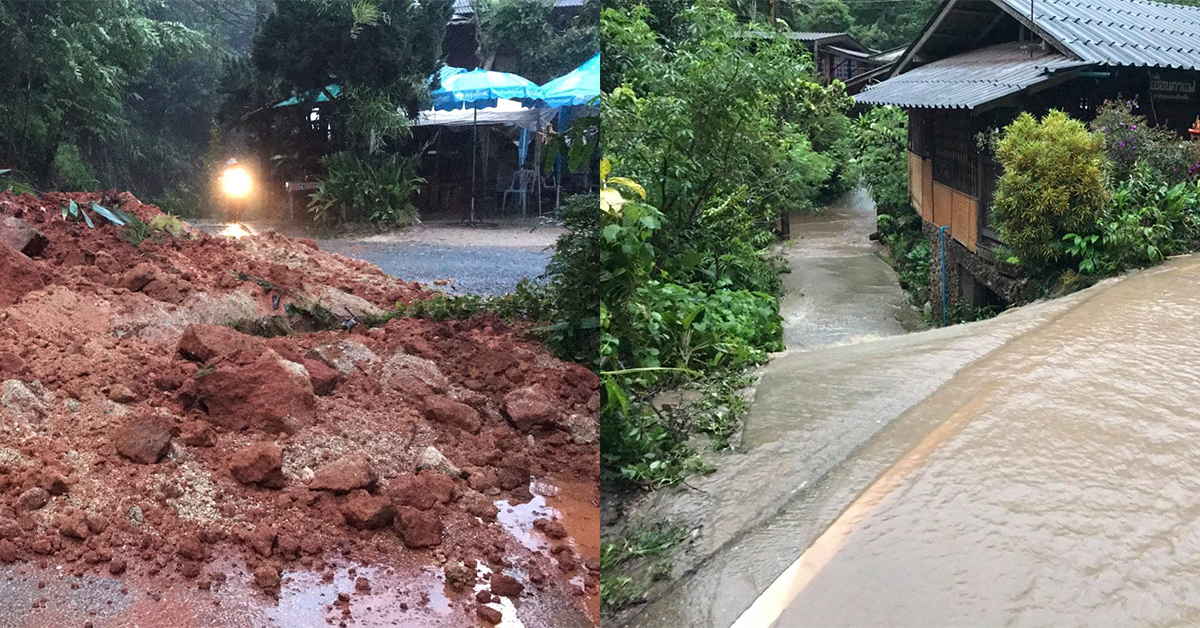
140 434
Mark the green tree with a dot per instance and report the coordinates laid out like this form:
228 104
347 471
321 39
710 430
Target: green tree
528 38
72 74
1053 184
827 15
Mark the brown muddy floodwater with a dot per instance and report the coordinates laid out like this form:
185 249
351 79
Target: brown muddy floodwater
1060 484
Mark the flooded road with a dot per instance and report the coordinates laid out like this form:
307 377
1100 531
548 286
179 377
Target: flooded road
1061 485
839 289
1041 467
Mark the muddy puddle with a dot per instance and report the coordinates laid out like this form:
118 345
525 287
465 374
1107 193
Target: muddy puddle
47 596
1053 481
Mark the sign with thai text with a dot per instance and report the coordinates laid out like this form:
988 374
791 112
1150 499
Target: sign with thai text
1164 86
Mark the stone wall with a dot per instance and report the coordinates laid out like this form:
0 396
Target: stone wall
970 276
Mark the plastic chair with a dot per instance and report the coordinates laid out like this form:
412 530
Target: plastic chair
522 183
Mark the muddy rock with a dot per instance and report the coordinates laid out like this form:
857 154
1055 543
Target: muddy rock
479 505
73 524
506 586
441 409
344 475
21 275
137 277
19 402
143 439
11 363
488 614
433 459
422 491
323 378
197 434
266 576
201 343
22 237
458 575
418 528
34 498
265 394
343 355
260 463
364 511
121 393
406 372
529 408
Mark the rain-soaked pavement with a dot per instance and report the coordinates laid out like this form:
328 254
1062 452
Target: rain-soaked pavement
815 404
1036 468
488 260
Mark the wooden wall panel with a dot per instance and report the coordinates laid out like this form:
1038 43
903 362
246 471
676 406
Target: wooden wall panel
973 225
914 181
963 223
927 190
942 205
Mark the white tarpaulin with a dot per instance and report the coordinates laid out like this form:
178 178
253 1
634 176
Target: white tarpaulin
505 112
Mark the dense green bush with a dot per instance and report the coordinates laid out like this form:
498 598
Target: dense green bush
1129 139
1147 219
726 130
1053 184
366 189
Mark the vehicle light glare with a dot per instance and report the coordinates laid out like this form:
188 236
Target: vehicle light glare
236 182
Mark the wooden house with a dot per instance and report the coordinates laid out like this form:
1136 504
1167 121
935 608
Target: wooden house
978 63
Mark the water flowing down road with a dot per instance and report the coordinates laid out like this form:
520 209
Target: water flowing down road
1036 468
1061 485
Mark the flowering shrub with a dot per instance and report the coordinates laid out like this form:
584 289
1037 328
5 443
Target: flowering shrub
1129 139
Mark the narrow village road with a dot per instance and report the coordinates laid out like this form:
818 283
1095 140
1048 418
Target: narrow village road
808 414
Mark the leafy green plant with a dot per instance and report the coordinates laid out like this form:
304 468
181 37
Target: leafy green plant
1052 185
72 211
135 231
366 189
1130 139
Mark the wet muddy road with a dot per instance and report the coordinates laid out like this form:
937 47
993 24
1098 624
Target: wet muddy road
1037 468
1059 486
814 405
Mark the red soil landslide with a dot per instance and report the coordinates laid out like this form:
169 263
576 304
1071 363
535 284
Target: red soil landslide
141 438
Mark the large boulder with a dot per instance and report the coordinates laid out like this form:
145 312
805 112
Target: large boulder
201 343
344 475
259 463
268 393
441 409
143 439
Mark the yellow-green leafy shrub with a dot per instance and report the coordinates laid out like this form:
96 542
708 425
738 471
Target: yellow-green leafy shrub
1053 184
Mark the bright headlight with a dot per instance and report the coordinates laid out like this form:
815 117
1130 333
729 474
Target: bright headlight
236 182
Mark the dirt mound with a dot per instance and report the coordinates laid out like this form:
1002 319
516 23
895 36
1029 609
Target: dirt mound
140 434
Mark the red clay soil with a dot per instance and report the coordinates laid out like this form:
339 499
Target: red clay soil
141 436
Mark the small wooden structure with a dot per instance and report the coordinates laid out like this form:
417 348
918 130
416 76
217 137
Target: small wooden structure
977 64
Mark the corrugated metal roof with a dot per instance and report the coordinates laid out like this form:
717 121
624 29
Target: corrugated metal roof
463 7
813 35
1120 32
970 79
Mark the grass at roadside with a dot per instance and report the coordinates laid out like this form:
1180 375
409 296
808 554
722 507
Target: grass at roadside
634 559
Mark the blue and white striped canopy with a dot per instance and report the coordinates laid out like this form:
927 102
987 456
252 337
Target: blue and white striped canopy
478 89
581 86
